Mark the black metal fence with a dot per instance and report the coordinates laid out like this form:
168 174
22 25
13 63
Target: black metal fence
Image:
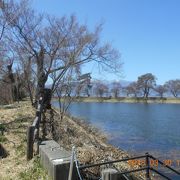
146 168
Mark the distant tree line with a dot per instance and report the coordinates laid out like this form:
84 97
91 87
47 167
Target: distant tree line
144 87
146 84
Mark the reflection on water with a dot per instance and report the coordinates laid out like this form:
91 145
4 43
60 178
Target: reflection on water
136 128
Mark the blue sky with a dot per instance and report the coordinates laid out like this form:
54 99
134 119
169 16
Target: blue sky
146 32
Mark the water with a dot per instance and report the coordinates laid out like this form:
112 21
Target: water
137 127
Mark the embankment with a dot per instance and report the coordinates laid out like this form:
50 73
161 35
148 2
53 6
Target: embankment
15 119
129 100
91 144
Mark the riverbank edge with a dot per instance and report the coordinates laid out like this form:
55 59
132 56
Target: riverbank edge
96 152
151 100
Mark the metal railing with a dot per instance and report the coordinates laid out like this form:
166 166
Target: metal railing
147 167
33 132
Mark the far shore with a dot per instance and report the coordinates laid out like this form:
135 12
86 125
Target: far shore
157 100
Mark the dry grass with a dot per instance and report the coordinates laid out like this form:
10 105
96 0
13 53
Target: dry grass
16 118
157 100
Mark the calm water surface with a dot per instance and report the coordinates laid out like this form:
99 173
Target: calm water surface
136 128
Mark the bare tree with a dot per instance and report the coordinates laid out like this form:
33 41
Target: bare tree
62 44
13 83
28 74
78 89
116 87
145 83
132 89
5 83
6 76
64 93
174 87
100 89
2 21
5 93
161 90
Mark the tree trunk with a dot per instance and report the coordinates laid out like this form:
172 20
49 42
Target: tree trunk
30 92
41 76
40 85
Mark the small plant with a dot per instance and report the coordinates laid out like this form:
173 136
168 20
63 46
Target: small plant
34 173
21 149
2 129
3 139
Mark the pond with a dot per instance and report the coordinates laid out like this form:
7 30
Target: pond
136 127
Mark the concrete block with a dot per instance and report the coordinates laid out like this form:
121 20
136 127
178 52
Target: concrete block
60 166
56 160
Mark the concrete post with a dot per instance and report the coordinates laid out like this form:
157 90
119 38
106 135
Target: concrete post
111 174
71 164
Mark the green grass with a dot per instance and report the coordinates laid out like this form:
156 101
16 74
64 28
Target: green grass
2 127
21 151
3 139
35 173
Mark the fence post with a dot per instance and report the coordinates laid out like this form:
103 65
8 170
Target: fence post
71 164
38 114
148 167
110 174
30 142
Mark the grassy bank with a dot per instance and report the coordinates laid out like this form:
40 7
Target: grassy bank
15 119
129 100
